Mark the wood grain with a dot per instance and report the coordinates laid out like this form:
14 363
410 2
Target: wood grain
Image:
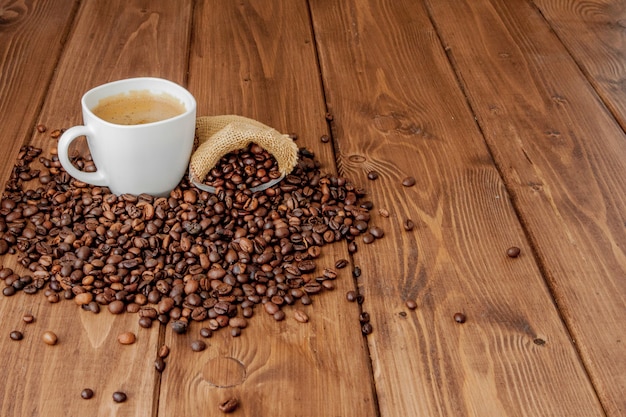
27 60
109 40
593 33
399 111
257 59
562 156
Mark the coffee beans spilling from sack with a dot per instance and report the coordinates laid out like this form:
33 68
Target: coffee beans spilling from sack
191 256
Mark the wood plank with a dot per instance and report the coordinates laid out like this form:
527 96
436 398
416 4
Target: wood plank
31 38
149 39
257 59
593 32
563 157
398 111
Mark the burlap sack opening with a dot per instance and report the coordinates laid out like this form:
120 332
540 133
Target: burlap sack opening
219 135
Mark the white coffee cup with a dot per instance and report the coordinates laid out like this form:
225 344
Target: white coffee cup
146 158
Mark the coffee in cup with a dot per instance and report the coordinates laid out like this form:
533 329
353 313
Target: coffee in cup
140 133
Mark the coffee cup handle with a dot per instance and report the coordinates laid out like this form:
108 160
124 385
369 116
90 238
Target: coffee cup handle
93 178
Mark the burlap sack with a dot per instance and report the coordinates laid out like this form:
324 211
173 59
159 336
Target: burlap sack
219 135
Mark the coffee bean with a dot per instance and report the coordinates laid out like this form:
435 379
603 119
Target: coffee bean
408 225
163 352
279 315
116 307
364 317
206 332
513 252
341 263
16 335
325 138
145 322
383 212
300 316
368 238
179 326
83 298
229 405
119 397
8 291
356 273
126 338
41 128
235 332
367 329
351 296
198 346
28 318
460 318
159 364
87 394
408 182
411 304
377 232
372 175
49 338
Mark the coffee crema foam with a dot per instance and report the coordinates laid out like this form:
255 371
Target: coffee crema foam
138 107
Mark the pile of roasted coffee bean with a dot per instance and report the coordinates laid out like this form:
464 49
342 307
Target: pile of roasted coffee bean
190 256
246 168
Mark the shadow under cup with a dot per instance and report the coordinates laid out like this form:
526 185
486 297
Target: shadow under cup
149 158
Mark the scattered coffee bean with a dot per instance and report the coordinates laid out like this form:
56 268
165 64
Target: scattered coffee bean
372 175
49 338
86 394
198 345
364 317
159 364
16 335
300 316
41 128
127 338
539 342
329 116
341 263
235 332
179 326
83 298
411 304
55 134
279 315
229 405
325 138
145 322
367 329
116 307
383 212
460 318
206 332
368 238
360 298
119 396
28 318
164 351
377 232
408 182
408 225
351 296
356 273
8 291
513 252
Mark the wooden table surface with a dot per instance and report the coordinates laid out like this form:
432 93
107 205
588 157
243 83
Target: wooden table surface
510 114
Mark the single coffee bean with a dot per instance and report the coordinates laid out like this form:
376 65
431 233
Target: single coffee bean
28 318
8 291
383 212
411 304
235 332
377 232
372 175
341 263
49 338
83 298
116 307
86 394
351 296
513 252
159 364
368 238
279 315
206 332
229 406
356 273
408 182
119 396
325 138
163 352
179 326
364 317
408 225
367 329
460 318
16 335
198 346
126 338
300 316
145 322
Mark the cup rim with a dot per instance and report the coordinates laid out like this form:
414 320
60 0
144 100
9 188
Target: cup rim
181 91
